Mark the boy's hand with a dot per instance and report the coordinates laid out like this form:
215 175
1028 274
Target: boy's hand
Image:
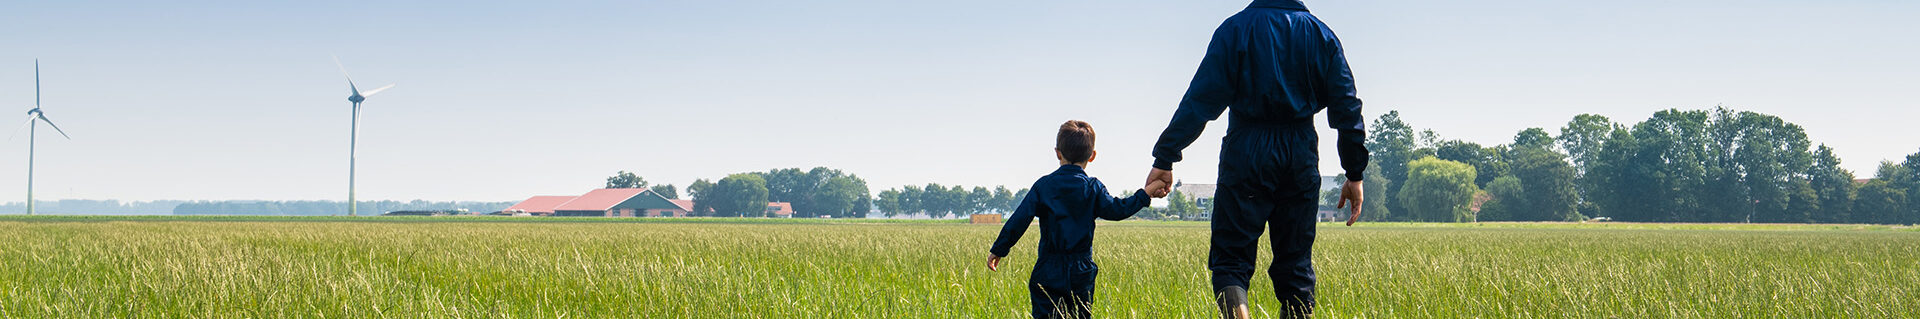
993 262
1165 177
1153 189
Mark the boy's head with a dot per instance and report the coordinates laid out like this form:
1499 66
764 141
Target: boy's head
1074 144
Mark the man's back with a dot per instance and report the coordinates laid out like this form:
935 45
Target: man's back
1275 65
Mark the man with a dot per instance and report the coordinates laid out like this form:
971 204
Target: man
1274 65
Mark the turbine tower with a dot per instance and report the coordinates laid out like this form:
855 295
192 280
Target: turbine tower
34 117
353 138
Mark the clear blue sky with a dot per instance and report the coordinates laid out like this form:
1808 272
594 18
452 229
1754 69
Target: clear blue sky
499 101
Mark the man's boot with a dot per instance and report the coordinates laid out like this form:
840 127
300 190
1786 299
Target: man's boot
1233 303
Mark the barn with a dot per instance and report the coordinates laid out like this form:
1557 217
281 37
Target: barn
620 202
537 205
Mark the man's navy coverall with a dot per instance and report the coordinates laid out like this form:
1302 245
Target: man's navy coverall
1274 65
1066 202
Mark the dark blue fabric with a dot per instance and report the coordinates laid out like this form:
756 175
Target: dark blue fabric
1071 293
1238 221
1274 65
1066 203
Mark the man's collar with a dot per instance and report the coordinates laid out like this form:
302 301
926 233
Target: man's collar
1279 4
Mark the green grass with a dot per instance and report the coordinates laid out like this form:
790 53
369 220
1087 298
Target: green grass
494 267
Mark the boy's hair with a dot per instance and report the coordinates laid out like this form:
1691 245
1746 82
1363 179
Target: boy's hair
1075 141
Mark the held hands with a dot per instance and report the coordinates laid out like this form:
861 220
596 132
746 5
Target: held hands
993 262
1159 183
1350 194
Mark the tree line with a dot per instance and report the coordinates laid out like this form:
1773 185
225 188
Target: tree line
324 207
938 201
1718 165
812 193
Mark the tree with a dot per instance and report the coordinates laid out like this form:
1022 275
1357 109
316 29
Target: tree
1609 174
935 201
1438 190
1546 180
1018 196
1182 205
1583 138
1533 137
837 197
1880 203
911 200
1908 180
956 199
626 179
1668 168
1488 162
979 200
1003 200
667 191
863 202
889 202
1392 145
698 191
1508 196
740 195
1834 186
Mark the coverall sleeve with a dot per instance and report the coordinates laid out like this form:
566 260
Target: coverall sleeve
1115 208
1343 108
1207 96
1016 226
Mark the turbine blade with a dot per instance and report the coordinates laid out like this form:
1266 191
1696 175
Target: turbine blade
23 125
56 128
343 71
377 91
36 83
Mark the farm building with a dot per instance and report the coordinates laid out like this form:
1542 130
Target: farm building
537 205
779 209
620 202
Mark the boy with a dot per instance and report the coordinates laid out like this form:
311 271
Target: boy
1066 202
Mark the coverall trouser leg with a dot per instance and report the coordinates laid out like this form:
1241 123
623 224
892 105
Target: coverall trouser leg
1238 221
1062 287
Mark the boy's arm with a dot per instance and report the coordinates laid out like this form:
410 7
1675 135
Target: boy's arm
1115 208
1016 226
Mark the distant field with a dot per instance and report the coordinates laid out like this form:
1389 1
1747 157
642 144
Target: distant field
481 267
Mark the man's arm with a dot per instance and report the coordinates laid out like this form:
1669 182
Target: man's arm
1115 208
1343 108
1207 96
1016 226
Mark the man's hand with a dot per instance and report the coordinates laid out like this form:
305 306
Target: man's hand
993 262
1165 186
1350 194
1153 185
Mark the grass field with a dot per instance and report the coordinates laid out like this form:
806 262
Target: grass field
269 267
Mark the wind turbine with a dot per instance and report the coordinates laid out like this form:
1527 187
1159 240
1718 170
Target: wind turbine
353 139
34 117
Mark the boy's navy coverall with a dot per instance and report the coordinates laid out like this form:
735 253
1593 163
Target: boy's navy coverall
1274 65
1066 202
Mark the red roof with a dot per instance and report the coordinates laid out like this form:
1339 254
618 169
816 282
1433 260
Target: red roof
600 199
685 204
781 208
540 204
